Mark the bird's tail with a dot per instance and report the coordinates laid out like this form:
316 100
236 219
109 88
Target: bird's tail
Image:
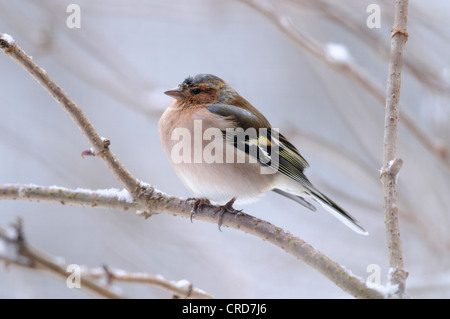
337 211
330 206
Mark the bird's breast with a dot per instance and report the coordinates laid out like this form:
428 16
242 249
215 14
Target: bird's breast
207 165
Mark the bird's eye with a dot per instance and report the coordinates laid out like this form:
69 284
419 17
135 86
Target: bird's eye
195 91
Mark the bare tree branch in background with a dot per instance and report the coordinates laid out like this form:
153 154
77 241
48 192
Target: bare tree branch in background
180 289
355 72
157 202
392 164
14 249
422 70
121 81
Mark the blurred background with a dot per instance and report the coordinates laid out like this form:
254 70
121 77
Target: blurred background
313 67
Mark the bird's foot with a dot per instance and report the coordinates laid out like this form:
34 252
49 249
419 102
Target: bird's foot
227 208
198 205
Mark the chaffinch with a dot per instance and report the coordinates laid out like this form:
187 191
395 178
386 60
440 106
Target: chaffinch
223 148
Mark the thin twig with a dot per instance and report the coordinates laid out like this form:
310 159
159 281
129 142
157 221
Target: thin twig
154 201
180 289
392 164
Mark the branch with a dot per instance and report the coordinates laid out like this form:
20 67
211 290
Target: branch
158 202
15 250
152 201
99 144
392 164
180 289
102 198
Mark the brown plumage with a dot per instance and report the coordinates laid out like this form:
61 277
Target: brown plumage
203 109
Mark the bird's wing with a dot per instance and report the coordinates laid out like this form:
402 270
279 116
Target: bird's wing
275 151
266 144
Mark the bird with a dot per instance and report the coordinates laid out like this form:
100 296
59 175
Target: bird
197 133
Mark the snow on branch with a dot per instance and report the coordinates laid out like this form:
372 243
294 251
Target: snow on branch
180 289
103 198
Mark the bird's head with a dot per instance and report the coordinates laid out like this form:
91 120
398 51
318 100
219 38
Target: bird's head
202 89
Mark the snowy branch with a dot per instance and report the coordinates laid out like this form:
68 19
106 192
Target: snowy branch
16 251
103 198
158 202
151 201
391 164
180 289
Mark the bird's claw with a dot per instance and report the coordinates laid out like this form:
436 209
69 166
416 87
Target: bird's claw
227 208
198 205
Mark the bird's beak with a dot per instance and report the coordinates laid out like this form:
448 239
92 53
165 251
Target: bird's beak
176 94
